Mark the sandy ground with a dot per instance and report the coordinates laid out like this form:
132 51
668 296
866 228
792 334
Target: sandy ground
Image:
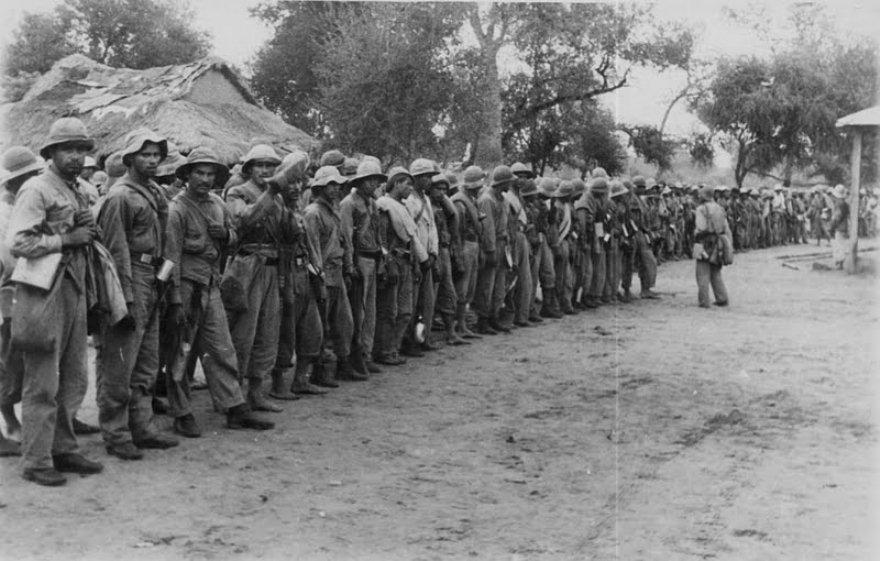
654 430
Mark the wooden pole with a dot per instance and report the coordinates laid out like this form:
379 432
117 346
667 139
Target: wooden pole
855 161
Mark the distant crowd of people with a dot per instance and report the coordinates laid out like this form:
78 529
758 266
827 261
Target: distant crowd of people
282 277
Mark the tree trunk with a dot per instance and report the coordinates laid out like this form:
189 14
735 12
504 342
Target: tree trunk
489 152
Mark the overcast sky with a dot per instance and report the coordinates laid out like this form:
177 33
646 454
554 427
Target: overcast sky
237 36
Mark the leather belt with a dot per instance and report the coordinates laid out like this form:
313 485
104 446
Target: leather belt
146 259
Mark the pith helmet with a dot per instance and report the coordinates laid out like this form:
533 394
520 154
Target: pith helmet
565 189
579 187
617 189
114 165
473 177
530 188
67 130
349 168
137 139
639 181
18 161
546 186
599 186
368 168
332 158
396 171
440 179
326 175
600 172
521 170
501 175
202 155
422 166
260 152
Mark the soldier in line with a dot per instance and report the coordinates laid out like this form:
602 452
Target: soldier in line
492 276
407 259
422 212
302 330
446 222
250 284
360 224
51 216
20 164
199 229
470 234
324 225
133 220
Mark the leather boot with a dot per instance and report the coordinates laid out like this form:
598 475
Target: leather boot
282 379
257 400
461 325
345 371
301 383
241 417
495 323
484 328
549 308
357 361
324 371
452 337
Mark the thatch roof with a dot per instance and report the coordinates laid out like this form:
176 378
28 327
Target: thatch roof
869 117
205 103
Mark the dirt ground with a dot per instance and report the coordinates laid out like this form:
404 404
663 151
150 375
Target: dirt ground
655 430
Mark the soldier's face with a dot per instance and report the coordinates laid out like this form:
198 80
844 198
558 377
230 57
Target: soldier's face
69 159
201 179
369 185
331 191
403 187
146 161
261 170
423 183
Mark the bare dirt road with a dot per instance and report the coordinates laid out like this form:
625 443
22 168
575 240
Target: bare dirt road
654 430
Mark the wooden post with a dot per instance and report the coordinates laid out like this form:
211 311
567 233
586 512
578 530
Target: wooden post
855 160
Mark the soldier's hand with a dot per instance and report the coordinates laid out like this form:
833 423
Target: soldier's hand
218 232
81 235
83 217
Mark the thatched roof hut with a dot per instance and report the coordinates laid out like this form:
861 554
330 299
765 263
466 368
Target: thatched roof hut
205 103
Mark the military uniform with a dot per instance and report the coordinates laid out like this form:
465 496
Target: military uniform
55 381
133 220
196 289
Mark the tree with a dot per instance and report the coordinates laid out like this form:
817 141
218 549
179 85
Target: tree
574 54
383 85
648 142
129 33
39 41
284 68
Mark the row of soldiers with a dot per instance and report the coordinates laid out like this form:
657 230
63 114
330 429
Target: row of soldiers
279 281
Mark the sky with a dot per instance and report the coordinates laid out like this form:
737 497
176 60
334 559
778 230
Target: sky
237 37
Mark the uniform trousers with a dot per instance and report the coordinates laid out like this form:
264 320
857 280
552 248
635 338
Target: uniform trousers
255 331
363 305
209 339
523 294
394 308
444 287
466 283
708 274
55 384
543 270
128 363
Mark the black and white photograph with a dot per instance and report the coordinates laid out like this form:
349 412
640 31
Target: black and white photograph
429 281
